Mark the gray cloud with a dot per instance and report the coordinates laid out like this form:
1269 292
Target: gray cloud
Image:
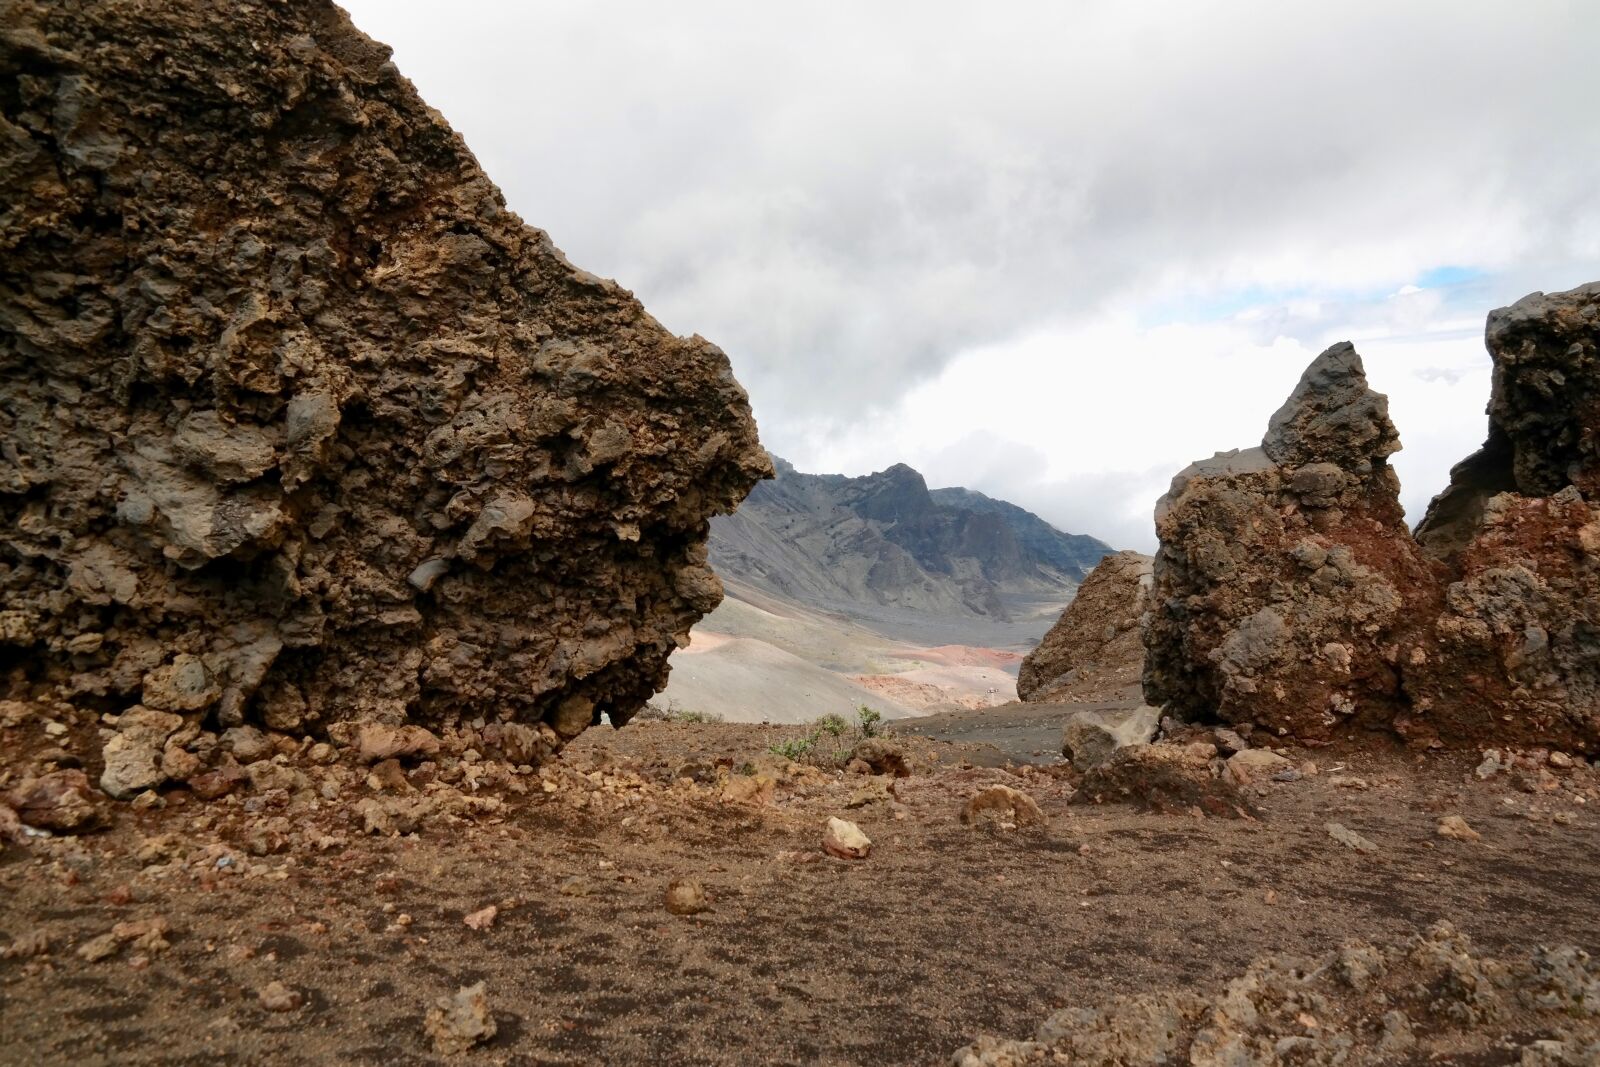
849 198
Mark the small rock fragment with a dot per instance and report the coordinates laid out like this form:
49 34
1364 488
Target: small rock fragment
456 1023
1456 828
1256 765
1349 838
845 840
100 948
275 996
687 897
483 918
1002 807
60 801
380 741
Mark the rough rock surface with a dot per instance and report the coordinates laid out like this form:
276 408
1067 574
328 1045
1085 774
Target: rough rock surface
298 423
1435 998
1166 778
1286 576
1290 594
1091 737
1095 650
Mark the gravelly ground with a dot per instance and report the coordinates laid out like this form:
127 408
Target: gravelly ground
943 932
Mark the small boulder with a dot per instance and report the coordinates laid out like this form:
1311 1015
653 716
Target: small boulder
1090 737
1256 765
133 755
1003 808
277 997
247 744
456 1023
882 757
379 741
1349 838
1456 828
61 801
750 789
844 839
1167 779
687 897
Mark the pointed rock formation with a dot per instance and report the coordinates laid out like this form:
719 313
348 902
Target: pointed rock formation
299 422
1286 579
1094 651
1289 593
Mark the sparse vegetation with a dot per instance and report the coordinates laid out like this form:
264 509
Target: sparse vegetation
868 720
831 738
689 715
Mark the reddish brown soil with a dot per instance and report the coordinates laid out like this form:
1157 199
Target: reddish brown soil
943 932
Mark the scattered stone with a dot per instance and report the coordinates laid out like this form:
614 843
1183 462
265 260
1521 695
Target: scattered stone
1091 737
133 755
247 744
456 1023
61 801
100 948
1255 765
1456 828
483 918
749 788
1560 760
28 945
1168 779
882 757
844 839
687 897
1422 1001
1349 838
277 997
574 886
1003 808
376 742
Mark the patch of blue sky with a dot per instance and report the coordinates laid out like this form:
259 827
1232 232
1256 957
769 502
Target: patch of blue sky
1450 274
1220 304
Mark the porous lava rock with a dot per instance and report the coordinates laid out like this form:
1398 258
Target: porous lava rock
1095 649
1516 653
1287 582
298 423
1289 593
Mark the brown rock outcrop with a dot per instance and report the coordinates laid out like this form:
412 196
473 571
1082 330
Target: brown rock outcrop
299 422
1289 592
1094 650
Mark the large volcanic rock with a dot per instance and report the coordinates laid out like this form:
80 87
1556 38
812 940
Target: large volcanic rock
1286 583
1518 638
1289 593
1094 650
299 422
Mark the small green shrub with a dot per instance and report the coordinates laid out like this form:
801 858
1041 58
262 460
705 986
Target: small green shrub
833 724
795 748
868 720
694 716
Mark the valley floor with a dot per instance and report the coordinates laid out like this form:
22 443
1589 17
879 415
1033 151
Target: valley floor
943 932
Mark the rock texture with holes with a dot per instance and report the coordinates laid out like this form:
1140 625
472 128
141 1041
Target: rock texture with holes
1095 650
300 424
1290 594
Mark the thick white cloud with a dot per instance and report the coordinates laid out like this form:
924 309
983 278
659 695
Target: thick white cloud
1047 249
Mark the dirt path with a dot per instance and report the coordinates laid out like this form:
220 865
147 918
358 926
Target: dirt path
942 932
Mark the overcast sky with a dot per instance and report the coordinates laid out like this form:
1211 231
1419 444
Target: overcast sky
1049 251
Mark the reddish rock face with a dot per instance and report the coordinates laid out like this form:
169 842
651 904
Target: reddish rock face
300 423
1094 651
1289 593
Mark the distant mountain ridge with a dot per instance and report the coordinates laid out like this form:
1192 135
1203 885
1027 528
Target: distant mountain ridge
886 550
